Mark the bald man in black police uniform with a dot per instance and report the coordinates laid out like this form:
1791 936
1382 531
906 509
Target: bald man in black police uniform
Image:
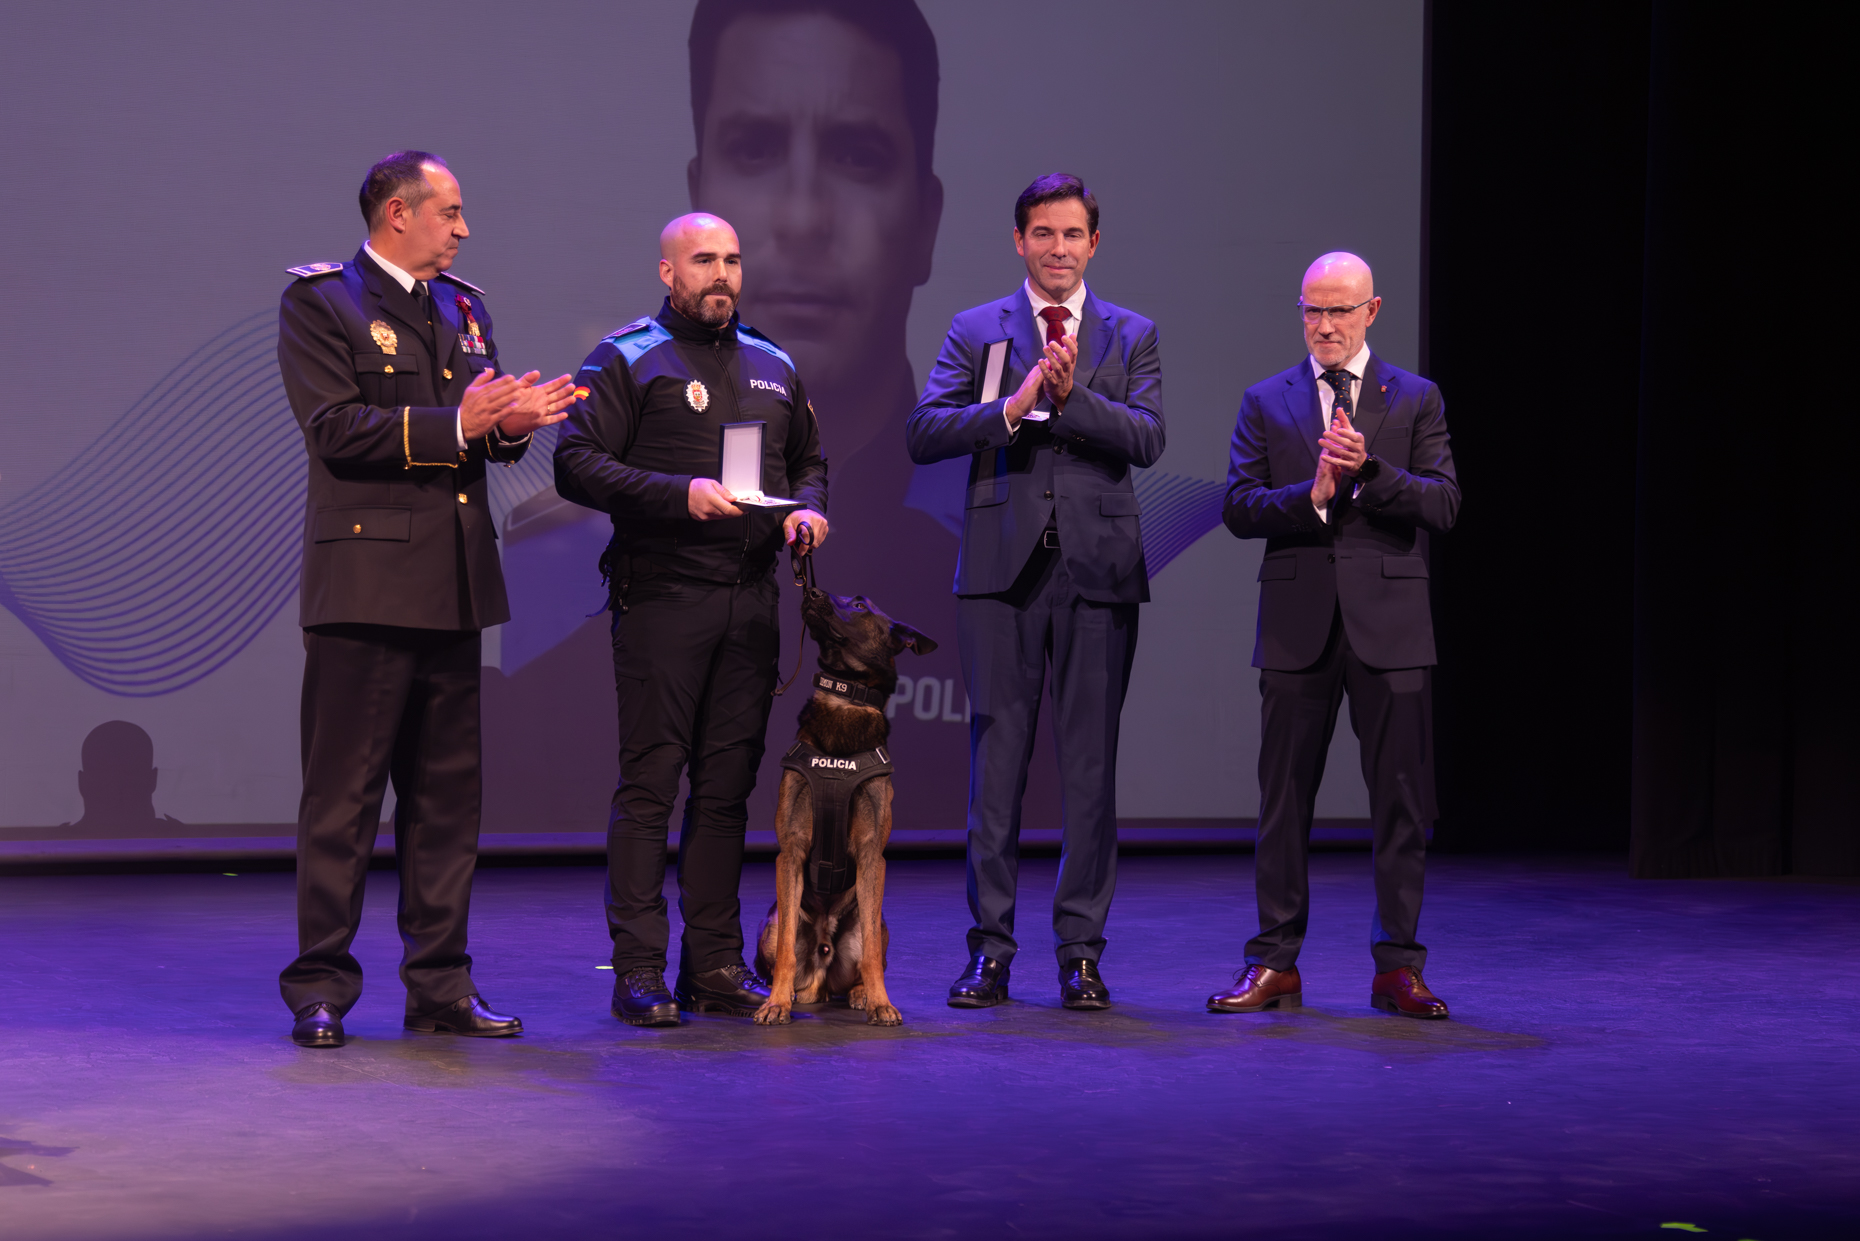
392 373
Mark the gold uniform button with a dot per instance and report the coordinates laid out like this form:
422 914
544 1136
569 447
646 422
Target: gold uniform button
388 369
355 530
447 374
461 497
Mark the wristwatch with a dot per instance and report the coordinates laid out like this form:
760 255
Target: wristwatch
1368 470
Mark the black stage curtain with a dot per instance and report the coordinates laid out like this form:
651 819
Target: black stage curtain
1536 170
1636 311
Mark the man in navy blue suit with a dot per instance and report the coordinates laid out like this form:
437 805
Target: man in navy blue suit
1054 395
1342 465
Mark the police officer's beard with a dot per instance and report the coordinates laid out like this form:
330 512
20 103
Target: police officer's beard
694 305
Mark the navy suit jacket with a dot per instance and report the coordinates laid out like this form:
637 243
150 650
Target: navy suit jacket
1364 561
1073 469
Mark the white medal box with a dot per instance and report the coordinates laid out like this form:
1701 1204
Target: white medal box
742 466
994 364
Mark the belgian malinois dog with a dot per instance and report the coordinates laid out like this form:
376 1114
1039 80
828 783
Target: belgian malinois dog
825 935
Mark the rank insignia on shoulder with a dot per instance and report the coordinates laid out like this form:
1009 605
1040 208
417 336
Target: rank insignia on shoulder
463 284
314 269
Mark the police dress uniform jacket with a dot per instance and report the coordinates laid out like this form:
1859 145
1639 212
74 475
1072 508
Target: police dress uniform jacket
1071 472
653 398
1364 561
397 524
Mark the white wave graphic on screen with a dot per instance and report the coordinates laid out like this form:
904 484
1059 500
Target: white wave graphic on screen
158 553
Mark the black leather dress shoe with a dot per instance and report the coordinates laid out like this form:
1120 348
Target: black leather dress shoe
641 998
1081 987
318 1026
983 985
734 989
469 1017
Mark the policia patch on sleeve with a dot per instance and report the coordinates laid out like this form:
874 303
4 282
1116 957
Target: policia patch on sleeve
309 270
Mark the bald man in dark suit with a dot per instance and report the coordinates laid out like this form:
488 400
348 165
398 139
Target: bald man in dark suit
1342 464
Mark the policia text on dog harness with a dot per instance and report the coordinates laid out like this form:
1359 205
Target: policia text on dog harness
832 781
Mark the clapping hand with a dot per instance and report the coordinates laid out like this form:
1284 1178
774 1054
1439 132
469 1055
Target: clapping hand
537 406
1056 366
1342 446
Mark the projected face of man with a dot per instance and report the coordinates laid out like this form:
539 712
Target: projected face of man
808 148
702 264
1335 280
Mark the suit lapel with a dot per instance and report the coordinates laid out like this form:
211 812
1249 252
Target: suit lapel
1303 411
392 301
1094 340
1017 321
449 323
1372 404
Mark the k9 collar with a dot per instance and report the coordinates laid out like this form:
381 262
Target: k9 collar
864 695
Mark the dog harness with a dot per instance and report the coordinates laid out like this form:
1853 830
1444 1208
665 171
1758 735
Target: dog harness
832 780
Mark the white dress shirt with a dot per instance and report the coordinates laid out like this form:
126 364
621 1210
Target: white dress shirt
407 282
1075 317
1358 366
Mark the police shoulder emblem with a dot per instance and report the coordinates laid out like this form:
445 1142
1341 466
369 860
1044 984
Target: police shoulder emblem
697 396
384 336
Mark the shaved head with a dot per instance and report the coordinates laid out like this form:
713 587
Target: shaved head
702 264
1341 285
1342 271
690 232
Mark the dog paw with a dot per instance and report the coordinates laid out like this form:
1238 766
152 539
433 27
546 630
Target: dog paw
884 1015
772 1014
856 997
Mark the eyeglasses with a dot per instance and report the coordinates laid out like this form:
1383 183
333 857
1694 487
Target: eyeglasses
1315 314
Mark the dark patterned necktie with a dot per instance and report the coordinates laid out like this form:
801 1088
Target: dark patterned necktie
1055 317
1340 384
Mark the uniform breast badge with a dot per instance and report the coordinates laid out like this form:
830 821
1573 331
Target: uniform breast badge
697 396
384 336
471 340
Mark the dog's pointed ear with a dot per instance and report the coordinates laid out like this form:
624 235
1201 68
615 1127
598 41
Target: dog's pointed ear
903 635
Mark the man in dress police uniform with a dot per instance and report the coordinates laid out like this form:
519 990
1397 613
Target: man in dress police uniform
392 372
695 632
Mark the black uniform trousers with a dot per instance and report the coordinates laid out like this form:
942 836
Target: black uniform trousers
1006 642
695 673
1392 713
381 701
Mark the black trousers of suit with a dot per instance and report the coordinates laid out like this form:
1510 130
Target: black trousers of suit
383 702
695 670
1392 714
1006 642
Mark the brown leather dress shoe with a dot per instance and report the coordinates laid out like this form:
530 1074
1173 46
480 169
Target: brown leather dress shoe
1256 988
1402 991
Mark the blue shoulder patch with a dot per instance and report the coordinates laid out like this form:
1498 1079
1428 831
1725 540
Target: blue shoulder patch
314 269
637 337
749 336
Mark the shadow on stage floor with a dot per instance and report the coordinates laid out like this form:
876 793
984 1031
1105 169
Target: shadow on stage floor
1624 1055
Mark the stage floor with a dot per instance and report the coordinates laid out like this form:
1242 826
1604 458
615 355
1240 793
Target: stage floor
1623 1055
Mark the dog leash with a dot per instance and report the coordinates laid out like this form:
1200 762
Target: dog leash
801 558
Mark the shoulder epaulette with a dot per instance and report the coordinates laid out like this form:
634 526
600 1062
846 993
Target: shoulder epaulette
314 269
463 284
636 338
749 336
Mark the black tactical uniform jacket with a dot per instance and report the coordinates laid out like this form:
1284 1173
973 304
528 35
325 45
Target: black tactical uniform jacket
397 524
651 401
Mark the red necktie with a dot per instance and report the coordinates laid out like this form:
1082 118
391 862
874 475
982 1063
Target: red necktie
1055 317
